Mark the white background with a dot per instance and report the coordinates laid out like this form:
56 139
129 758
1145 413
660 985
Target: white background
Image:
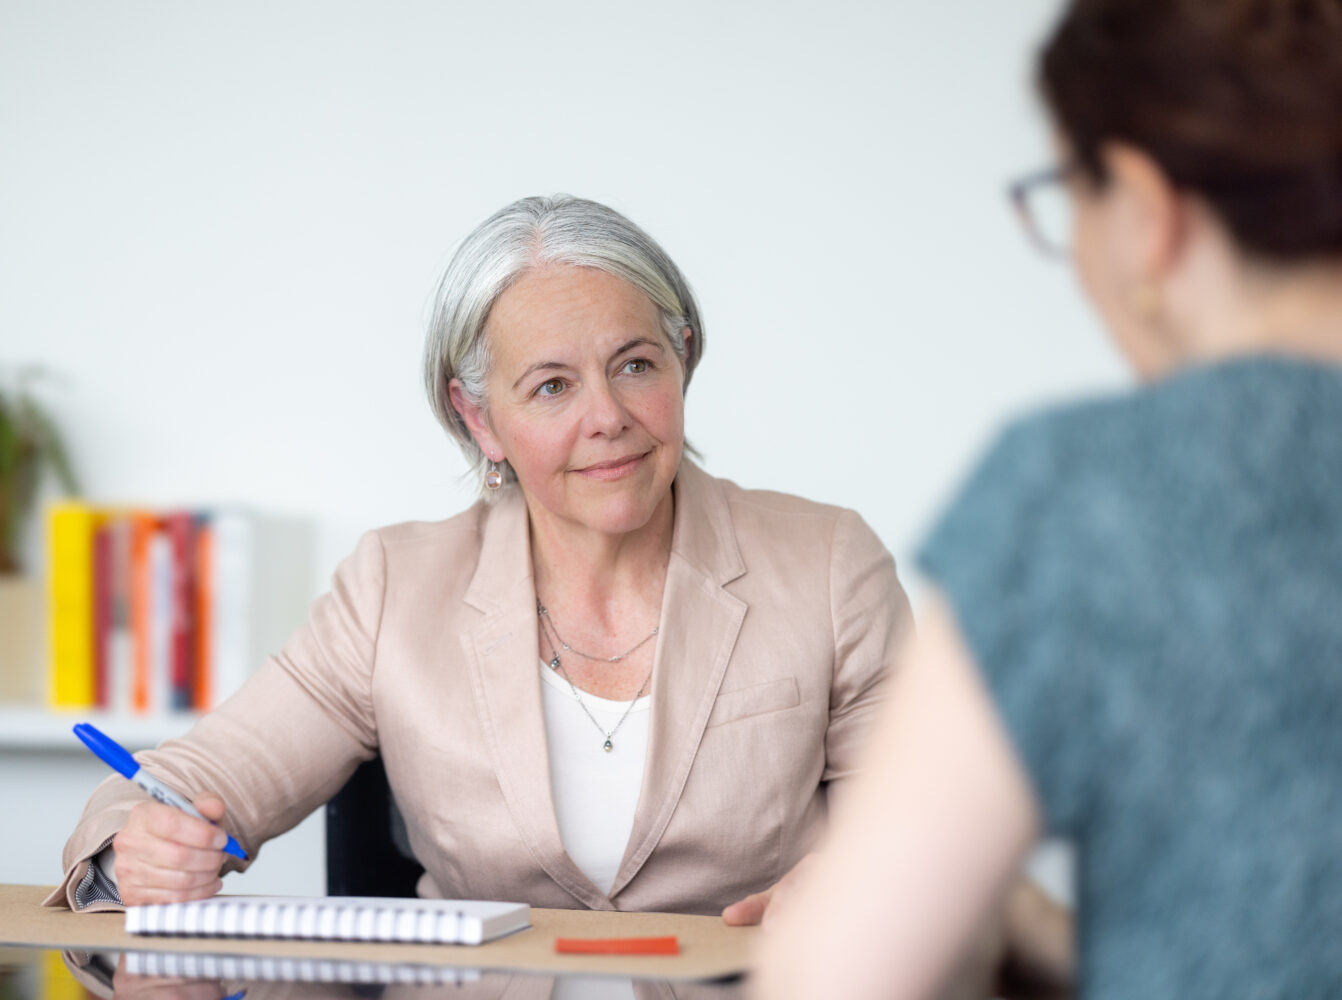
220 225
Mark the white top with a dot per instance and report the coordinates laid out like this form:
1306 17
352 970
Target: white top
595 792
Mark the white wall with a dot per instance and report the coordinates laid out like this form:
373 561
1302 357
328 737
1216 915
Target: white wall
220 223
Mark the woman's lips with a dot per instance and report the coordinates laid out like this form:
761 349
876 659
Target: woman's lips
616 468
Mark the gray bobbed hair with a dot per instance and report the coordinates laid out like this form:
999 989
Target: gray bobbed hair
527 234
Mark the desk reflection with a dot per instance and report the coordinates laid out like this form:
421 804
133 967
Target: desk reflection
141 975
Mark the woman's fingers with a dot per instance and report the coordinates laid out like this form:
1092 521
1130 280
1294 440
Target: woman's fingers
749 911
139 872
142 895
165 855
167 823
210 805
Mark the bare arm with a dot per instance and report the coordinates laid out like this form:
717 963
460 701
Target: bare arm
924 843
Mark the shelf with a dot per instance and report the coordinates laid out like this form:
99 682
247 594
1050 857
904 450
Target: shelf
29 727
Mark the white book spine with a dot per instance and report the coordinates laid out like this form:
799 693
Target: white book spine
120 648
160 622
233 570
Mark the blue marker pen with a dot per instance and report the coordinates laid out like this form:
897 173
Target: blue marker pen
118 758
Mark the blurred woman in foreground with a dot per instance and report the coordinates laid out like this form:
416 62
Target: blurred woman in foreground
1136 640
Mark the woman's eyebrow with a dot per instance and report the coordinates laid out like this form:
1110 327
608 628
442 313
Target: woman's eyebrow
639 342
539 366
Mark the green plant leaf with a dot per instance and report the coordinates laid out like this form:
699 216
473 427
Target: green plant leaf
50 449
29 445
9 441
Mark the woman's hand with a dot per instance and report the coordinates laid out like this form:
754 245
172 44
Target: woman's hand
165 856
751 910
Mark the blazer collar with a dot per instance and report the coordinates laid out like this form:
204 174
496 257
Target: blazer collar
703 535
700 622
505 553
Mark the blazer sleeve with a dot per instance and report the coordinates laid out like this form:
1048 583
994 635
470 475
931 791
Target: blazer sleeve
280 747
872 625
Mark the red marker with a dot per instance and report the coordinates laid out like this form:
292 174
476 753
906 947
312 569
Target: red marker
617 946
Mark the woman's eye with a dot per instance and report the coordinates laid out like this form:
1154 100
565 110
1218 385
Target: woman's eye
636 367
551 388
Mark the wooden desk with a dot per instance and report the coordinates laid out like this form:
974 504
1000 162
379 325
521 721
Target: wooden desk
709 948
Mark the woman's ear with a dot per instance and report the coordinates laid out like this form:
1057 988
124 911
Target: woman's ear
473 414
1150 215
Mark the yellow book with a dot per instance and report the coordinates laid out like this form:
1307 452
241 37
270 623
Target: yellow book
70 527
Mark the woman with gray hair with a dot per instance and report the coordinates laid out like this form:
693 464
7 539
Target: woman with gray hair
615 682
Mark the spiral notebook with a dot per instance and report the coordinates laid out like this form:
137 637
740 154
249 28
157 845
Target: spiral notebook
333 918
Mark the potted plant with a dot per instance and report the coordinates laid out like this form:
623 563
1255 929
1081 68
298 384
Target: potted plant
30 447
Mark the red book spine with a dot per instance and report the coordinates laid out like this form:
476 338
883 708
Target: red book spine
182 532
102 612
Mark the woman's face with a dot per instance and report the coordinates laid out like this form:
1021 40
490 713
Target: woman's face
1113 232
585 398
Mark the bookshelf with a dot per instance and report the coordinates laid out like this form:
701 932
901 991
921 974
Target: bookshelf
49 774
40 730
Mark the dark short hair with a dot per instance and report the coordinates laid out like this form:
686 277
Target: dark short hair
1239 101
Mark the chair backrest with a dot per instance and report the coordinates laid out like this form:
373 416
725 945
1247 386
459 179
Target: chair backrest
367 851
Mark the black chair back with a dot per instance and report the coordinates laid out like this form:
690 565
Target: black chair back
367 851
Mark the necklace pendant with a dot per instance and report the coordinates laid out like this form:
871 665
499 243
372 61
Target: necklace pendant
608 746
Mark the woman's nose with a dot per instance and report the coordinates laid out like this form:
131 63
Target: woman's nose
606 413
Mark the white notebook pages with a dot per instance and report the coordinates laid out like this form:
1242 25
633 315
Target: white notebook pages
333 918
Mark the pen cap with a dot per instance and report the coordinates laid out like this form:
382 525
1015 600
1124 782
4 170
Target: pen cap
112 753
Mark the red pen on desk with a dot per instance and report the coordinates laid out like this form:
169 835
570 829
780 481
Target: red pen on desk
617 946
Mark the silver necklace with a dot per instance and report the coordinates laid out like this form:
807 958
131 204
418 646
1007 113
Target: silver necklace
544 614
558 666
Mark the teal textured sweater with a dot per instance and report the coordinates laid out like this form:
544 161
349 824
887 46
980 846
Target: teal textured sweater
1152 587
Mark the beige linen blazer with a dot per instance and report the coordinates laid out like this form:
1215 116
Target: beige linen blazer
780 619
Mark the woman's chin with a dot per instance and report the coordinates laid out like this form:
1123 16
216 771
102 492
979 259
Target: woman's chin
619 515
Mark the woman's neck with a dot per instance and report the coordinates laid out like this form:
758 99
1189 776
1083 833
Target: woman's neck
1293 310
599 574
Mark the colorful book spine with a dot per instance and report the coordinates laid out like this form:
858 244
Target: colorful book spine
160 621
102 613
157 612
202 695
180 528
120 642
71 528
143 527
232 654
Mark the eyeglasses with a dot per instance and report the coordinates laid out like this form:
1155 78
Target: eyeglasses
1045 209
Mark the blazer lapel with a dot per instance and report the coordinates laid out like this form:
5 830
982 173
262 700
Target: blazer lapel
700 624
505 682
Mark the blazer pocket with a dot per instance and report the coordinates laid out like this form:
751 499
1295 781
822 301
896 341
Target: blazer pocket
771 696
